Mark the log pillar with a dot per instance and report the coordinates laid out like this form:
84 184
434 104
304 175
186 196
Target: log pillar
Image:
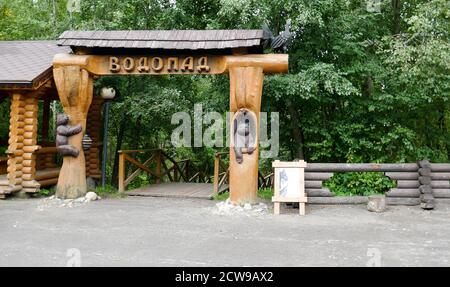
30 146
245 93
16 138
75 89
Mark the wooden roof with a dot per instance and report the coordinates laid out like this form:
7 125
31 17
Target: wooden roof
164 39
26 64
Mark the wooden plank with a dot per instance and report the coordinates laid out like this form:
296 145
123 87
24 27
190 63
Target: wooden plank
289 199
440 167
440 175
313 184
361 167
441 193
313 176
338 200
288 164
47 173
402 175
402 201
400 192
311 192
440 184
175 189
408 183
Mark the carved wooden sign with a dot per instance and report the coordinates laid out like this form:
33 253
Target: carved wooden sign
159 65
177 64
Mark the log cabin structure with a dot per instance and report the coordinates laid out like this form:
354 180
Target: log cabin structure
27 88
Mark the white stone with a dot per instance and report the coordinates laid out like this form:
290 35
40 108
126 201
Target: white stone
247 206
79 200
91 196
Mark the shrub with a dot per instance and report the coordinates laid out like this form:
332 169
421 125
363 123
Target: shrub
45 192
359 183
141 180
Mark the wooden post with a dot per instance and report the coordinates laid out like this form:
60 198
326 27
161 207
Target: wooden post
245 93
121 172
15 148
75 88
30 146
175 173
216 174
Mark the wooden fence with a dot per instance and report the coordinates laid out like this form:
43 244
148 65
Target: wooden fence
412 180
158 165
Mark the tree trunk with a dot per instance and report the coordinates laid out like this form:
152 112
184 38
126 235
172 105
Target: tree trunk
297 132
396 7
137 134
120 136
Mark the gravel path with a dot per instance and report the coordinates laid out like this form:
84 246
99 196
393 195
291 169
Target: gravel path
186 232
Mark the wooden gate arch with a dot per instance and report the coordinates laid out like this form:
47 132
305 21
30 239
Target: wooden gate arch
238 53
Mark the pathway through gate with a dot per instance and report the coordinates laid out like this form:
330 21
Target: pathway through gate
169 177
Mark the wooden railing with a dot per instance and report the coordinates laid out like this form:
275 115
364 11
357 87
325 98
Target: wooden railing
265 181
221 173
157 164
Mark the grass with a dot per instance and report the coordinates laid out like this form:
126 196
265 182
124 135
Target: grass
108 192
46 192
265 194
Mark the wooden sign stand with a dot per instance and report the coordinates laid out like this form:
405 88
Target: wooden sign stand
286 191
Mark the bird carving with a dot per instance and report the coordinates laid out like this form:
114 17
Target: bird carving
280 42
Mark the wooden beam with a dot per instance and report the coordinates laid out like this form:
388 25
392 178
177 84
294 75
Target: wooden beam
107 65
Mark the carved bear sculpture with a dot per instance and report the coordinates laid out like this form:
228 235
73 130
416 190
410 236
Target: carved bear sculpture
63 132
244 134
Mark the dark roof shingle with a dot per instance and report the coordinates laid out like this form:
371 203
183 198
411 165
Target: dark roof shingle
22 62
163 39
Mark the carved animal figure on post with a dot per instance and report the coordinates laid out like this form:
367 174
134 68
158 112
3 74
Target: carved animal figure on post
244 134
63 132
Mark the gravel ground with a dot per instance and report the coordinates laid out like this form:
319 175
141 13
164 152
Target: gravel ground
191 232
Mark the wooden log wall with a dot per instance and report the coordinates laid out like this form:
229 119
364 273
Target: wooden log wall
3 165
94 130
47 170
415 181
45 161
